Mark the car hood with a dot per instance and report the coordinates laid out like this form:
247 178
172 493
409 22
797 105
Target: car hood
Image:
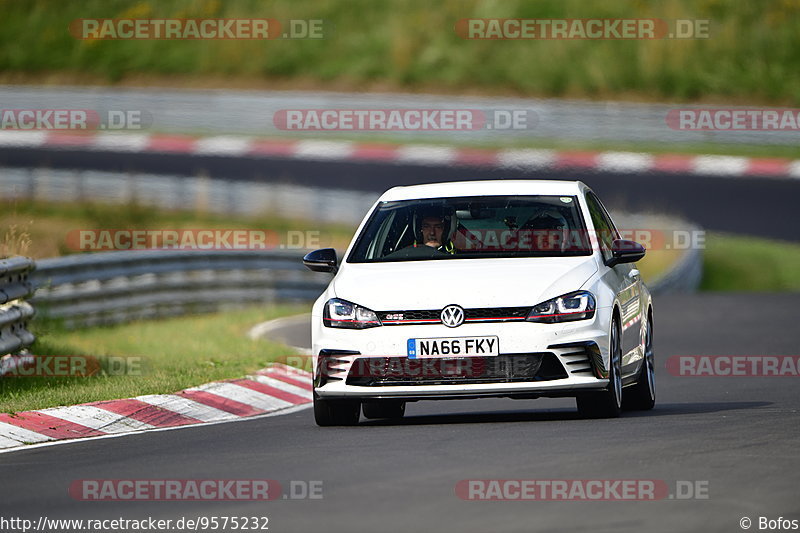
470 283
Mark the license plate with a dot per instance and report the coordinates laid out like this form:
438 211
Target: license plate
453 347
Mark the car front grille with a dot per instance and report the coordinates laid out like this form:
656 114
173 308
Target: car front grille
432 316
402 371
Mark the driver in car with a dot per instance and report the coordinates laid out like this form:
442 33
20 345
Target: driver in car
432 232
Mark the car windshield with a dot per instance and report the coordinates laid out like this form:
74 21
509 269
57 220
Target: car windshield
473 227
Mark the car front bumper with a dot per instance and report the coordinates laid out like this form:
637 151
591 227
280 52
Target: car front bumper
578 349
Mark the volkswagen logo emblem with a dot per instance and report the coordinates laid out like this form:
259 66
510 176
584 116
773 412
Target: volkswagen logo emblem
452 316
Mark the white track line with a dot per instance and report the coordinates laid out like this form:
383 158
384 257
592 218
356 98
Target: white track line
222 145
720 165
425 155
323 150
282 385
526 158
96 418
22 138
313 149
794 168
251 397
625 162
14 434
187 407
121 142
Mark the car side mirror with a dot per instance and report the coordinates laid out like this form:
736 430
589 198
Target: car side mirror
323 260
625 251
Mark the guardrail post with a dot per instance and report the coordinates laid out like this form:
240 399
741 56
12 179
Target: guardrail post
15 312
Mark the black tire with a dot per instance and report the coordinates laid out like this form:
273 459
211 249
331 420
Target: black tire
606 403
336 412
384 409
642 396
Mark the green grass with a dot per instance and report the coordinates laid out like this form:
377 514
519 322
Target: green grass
174 354
47 225
751 56
736 263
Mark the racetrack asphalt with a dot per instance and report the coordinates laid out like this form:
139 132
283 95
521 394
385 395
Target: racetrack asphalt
737 435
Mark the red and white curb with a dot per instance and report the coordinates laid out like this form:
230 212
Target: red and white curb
276 389
413 154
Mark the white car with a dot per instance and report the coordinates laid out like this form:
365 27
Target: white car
507 288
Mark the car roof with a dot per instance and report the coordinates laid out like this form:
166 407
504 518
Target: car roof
500 187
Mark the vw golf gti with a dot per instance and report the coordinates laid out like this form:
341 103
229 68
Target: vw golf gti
506 288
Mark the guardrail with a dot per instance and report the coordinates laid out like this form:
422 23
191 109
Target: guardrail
113 287
686 272
14 311
166 191
684 276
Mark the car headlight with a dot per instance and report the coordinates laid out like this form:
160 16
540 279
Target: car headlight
579 305
343 314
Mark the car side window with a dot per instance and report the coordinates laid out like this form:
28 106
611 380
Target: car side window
606 232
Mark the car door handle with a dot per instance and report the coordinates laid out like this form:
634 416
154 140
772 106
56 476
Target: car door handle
633 273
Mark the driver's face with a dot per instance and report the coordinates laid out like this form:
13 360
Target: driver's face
432 229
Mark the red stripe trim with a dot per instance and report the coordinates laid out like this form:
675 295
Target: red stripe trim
266 147
171 143
768 167
576 159
70 139
673 163
376 152
49 425
566 314
223 404
476 157
489 319
144 412
407 321
270 391
483 319
349 320
288 379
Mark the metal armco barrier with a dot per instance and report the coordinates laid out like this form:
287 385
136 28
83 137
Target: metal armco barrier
113 287
14 311
684 276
